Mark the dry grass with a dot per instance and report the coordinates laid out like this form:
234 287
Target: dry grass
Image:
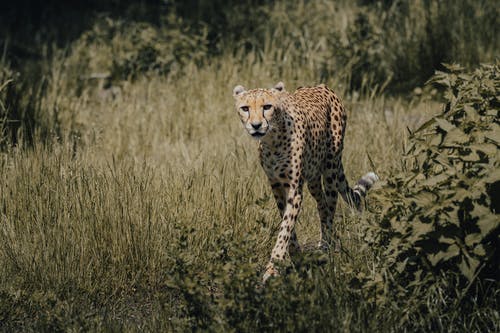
100 217
141 206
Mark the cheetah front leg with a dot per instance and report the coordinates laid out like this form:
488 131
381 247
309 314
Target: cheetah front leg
279 192
291 211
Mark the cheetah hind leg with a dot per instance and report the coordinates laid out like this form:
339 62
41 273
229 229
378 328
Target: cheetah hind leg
326 208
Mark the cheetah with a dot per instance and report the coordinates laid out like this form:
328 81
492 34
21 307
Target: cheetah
301 137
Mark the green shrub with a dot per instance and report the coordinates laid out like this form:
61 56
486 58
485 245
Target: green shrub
5 80
227 294
125 49
440 222
420 35
404 41
19 107
399 43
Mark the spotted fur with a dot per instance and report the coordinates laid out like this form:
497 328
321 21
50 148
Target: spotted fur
301 136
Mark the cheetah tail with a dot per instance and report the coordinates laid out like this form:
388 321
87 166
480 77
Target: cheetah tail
354 196
365 183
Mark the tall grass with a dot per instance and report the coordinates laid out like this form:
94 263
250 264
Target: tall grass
159 197
137 201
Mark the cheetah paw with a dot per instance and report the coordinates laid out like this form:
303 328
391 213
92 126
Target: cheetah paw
325 247
271 271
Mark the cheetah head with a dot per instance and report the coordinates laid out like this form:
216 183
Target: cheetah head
256 108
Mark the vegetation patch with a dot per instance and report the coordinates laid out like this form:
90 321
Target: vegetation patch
439 223
132 200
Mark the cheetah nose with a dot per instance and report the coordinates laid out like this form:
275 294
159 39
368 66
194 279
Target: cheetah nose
256 125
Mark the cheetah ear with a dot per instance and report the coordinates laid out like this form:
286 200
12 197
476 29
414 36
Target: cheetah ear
280 86
238 90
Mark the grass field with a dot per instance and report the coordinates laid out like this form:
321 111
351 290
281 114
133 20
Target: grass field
141 206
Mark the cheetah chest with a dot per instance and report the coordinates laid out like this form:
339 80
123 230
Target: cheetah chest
278 160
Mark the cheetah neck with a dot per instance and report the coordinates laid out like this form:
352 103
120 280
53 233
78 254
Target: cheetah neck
274 138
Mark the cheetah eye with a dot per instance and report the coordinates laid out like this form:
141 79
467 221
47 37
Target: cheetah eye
267 107
245 108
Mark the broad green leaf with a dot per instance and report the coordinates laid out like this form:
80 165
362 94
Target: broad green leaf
493 176
401 266
464 77
472 156
443 160
417 278
479 250
433 181
440 78
455 136
420 228
488 223
446 240
471 112
487 148
451 252
460 194
444 124
435 140
480 211
492 112
473 239
468 267
425 125
494 134
454 68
